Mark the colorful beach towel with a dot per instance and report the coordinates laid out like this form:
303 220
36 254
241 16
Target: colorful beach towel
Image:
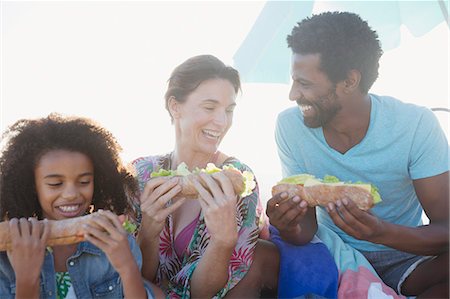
307 270
357 277
327 267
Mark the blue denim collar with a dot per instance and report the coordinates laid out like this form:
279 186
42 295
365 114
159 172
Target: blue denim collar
82 247
87 247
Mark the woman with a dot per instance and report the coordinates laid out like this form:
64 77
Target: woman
200 248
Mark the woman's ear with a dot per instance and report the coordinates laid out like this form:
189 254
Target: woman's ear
174 107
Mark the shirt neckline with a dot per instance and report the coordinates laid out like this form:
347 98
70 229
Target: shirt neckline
348 153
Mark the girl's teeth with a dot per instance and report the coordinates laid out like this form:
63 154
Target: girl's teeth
68 208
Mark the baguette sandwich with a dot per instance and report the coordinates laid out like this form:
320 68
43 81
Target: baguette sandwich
318 192
62 232
243 182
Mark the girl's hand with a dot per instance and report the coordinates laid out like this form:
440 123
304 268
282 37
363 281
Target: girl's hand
106 232
28 240
219 208
157 193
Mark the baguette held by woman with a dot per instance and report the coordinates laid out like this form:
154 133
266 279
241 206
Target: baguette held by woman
243 182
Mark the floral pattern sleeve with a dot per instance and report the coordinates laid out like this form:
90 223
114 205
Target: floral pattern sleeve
174 272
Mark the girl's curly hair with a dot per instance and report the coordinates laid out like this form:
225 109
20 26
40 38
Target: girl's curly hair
27 140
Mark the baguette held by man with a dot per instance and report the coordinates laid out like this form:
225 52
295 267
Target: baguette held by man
62 232
318 192
243 182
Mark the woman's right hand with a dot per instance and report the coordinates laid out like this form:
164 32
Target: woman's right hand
218 201
157 193
28 243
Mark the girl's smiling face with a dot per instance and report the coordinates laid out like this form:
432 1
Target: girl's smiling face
64 184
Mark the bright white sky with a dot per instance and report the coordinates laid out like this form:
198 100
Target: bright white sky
110 61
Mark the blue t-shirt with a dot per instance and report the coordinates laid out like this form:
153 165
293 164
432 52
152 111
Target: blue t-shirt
404 142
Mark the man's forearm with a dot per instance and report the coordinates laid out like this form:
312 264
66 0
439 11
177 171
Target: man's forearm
304 231
431 239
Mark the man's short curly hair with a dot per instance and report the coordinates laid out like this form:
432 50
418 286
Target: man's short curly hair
27 140
344 42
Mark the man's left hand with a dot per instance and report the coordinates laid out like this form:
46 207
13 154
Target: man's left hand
359 224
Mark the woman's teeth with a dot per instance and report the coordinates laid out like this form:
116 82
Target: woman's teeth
211 134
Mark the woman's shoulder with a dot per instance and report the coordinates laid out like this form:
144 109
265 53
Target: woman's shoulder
236 163
144 166
141 161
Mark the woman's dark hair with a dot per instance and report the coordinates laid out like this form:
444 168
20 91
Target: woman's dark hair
344 42
186 77
27 140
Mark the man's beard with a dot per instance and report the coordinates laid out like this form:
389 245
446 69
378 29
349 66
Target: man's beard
325 108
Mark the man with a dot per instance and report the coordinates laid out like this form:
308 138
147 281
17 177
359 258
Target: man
340 129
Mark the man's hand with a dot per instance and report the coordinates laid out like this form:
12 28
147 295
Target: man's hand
359 224
288 215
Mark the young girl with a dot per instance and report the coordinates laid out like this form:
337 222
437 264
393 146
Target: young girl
56 168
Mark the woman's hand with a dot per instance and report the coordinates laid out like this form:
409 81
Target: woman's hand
157 193
155 209
219 208
28 242
218 202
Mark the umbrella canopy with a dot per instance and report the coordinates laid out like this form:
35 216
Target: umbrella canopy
264 57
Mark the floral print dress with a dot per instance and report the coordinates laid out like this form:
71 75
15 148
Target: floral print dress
175 272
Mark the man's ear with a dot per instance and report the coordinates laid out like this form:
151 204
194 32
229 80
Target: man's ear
174 107
351 83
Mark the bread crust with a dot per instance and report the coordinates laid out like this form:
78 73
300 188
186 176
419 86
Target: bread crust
62 232
321 195
188 190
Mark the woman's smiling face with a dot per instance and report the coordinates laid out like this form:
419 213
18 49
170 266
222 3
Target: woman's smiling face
205 117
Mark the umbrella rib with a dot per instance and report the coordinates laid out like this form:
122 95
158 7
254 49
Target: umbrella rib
444 11
440 109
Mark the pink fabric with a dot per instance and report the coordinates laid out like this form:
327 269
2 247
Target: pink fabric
184 237
364 284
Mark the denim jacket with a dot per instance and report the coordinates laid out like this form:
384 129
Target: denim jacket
90 271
